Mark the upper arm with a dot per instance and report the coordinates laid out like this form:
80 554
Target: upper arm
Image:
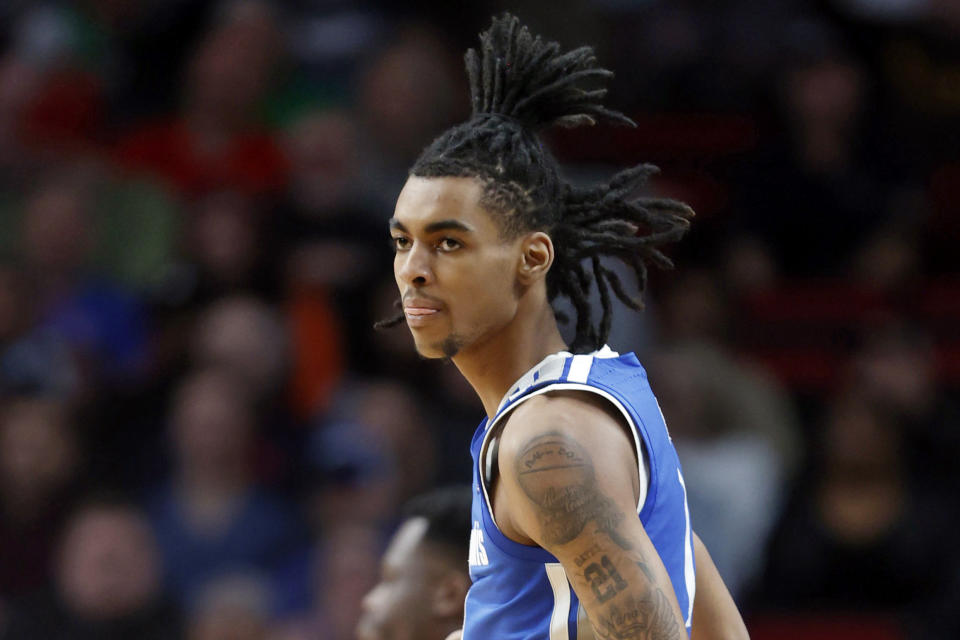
548 461
567 476
715 614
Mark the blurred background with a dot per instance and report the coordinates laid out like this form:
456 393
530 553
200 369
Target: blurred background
201 437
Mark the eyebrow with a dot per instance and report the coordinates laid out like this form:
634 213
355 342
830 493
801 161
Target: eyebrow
433 227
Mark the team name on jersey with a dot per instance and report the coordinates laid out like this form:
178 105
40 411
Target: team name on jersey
478 554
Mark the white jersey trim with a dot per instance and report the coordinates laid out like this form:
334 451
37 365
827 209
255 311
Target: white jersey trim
560 617
580 368
689 575
643 470
551 368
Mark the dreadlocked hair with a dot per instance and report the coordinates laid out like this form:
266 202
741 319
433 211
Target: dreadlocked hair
519 85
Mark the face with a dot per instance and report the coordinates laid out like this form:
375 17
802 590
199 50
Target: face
109 566
244 336
57 229
210 427
457 276
37 451
399 606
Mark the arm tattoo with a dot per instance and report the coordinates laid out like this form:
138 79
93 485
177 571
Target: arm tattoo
605 581
558 475
649 617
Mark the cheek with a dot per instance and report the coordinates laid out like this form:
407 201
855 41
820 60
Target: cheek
396 611
396 271
487 292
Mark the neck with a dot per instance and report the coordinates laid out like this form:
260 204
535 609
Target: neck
492 366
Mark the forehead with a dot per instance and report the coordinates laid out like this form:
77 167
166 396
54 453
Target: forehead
426 200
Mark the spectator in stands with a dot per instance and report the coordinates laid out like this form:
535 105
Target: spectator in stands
58 100
225 251
894 368
216 142
227 247
823 173
331 242
32 358
393 412
406 97
20 83
858 535
353 472
736 434
233 607
39 463
107 582
374 450
322 148
249 338
101 323
327 239
101 64
211 517
246 336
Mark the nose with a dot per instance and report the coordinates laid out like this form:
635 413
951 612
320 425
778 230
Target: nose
413 266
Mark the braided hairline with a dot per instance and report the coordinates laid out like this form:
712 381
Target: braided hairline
511 201
514 204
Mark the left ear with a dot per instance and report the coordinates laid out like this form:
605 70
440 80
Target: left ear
535 258
449 592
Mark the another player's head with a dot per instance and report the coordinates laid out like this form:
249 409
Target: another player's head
486 228
424 577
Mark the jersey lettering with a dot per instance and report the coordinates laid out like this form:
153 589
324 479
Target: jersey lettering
478 553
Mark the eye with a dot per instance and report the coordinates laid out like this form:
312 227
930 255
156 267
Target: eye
400 243
448 244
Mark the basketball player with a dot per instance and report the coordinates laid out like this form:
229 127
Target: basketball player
580 519
423 578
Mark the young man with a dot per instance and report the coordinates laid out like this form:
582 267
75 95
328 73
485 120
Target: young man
423 578
580 520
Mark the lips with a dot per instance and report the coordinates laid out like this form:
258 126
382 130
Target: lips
419 310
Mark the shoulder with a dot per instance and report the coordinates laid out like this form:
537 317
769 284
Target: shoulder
563 459
568 432
581 416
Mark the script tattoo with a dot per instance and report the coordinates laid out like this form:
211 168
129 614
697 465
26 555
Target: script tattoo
558 475
639 618
591 551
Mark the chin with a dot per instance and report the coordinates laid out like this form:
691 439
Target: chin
446 348
430 352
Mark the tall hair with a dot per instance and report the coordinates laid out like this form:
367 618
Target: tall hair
447 512
519 85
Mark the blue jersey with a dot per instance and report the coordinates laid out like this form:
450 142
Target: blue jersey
522 592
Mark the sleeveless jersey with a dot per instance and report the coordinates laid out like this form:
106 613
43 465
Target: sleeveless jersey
521 592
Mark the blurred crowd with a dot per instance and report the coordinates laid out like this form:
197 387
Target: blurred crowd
202 437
